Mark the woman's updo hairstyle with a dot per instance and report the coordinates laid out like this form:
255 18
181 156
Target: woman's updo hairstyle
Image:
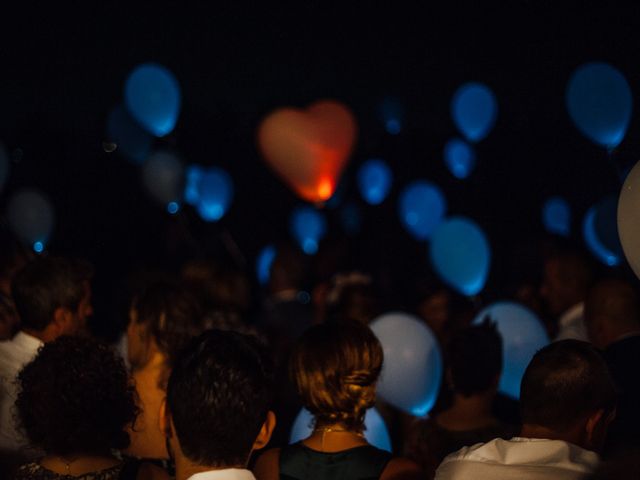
334 367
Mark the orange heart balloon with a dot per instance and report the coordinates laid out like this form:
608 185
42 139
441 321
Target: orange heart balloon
309 148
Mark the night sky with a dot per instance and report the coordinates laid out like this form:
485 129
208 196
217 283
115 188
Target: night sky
64 70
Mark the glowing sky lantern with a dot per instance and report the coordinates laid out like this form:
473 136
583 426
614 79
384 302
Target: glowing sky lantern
309 148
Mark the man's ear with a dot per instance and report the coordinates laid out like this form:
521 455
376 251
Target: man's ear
597 425
62 321
265 432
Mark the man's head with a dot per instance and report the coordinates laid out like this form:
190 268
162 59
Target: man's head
475 360
567 391
566 279
53 296
612 310
218 399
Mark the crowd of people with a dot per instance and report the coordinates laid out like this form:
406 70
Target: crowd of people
199 387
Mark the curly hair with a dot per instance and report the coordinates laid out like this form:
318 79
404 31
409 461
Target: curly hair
334 367
76 396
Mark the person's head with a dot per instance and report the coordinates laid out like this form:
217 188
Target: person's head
352 296
567 390
612 309
52 296
475 360
9 321
75 397
218 401
334 367
163 317
288 270
219 286
566 278
13 256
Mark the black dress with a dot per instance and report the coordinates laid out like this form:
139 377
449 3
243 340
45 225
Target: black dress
299 462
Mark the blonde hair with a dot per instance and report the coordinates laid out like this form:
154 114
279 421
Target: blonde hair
334 367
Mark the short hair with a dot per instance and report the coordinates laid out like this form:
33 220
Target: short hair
219 394
334 367
76 396
565 382
475 358
172 314
615 299
46 284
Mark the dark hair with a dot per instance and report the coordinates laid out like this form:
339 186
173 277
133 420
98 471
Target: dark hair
172 314
48 283
565 382
75 396
219 394
475 358
334 367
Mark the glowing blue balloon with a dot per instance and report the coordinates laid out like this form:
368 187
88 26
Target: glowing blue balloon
163 177
31 217
523 334
374 181
193 177
375 432
412 370
474 110
131 139
556 216
263 263
308 227
459 158
391 112
460 255
422 208
152 96
599 102
600 230
173 208
215 192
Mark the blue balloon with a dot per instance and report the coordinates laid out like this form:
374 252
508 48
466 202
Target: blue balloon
163 177
600 230
599 102
422 208
308 227
31 217
375 432
131 139
374 181
263 263
412 369
556 216
193 177
215 192
459 158
460 255
474 110
152 96
522 333
391 113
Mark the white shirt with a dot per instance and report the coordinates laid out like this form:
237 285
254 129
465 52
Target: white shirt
518 459
224 474
571 324
14 354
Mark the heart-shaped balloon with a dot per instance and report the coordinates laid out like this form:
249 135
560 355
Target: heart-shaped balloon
309 148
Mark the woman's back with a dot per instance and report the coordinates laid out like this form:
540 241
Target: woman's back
298 461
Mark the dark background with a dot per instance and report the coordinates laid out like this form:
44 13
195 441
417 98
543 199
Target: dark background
63 70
